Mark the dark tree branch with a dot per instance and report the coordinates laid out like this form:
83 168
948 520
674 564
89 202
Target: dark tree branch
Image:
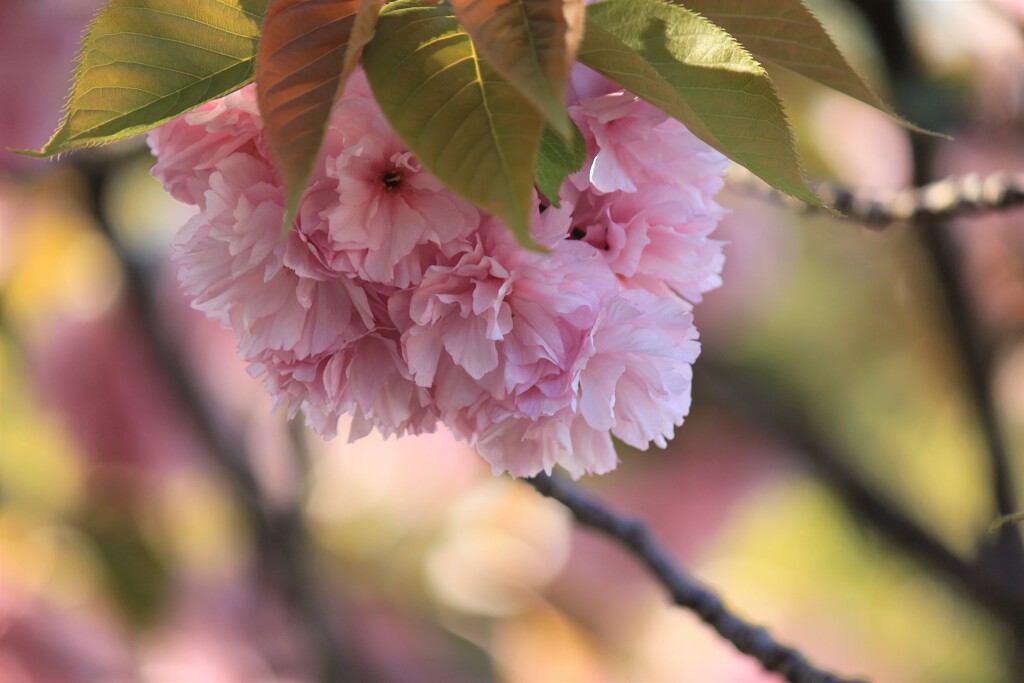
929 207
685 591
956 196
782 418
975 353
921 99
280 531
1001 564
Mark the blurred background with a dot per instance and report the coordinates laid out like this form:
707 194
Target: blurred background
160 524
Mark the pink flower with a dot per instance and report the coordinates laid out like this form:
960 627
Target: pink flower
231 260
188 148
524 447
631 377
633 144
390 217
366 379
556 302
396 302
377 388
460 310
645 198
657 238
636 382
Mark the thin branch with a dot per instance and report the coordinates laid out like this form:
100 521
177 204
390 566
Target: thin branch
281 535
930 207
685 591
1014 518
975 353
955 196
1003 560
784 419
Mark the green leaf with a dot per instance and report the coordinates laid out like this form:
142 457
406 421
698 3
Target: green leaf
307 51
465 123
532 43
605 53
557 159
786 33
145 62
697 73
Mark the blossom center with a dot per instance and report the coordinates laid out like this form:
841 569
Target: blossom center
391 179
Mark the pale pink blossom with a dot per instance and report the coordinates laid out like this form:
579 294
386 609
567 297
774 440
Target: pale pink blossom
366 379
645 197
634 144
631 377
656 238
637 380
391 217
556 301
379 387
460 310
231 260
524 447
601 108
188 148
396 302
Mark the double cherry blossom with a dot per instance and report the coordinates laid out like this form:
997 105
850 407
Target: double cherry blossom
397 302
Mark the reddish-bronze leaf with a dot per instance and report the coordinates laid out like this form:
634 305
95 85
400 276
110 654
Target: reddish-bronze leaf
307 51
532 43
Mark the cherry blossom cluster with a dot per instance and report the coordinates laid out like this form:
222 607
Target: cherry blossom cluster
396 302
